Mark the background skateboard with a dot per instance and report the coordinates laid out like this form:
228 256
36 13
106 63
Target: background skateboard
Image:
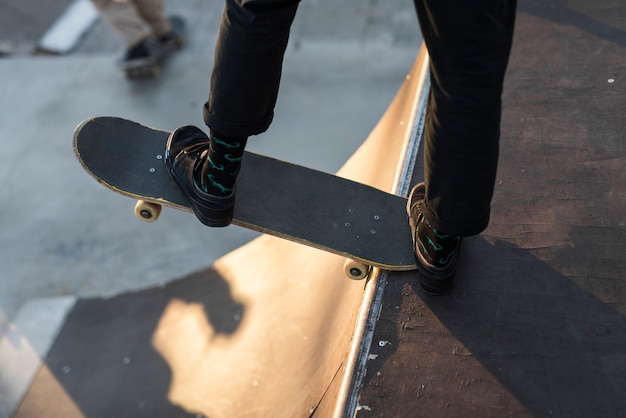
151 67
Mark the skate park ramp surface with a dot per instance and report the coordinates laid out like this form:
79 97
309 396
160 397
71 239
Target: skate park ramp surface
535 326
266 331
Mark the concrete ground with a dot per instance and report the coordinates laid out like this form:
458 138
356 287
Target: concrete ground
344 64
534 326
65 238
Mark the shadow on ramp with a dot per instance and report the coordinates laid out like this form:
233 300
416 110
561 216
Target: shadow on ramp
265 332
515 338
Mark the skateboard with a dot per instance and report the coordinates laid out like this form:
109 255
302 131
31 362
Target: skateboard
364 224
151 67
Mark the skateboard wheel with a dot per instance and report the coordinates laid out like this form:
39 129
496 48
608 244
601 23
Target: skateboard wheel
146 211
356 270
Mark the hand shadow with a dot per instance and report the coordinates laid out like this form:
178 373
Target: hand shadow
104 362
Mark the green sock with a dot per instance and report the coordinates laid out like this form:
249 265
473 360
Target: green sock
222 164
438 248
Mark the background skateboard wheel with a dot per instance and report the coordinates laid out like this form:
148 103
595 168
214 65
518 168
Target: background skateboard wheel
355 270
143 72
146 211
181 42
154 71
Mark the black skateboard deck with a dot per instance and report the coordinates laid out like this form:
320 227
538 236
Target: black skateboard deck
274 197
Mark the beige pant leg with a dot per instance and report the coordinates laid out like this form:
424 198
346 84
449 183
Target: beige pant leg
124 19
153 13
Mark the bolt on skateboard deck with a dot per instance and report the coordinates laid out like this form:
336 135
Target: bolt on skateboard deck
366 225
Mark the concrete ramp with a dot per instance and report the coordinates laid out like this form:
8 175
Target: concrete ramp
270 330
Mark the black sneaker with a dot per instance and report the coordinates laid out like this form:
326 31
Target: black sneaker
175 39
436 254
185 155
143 54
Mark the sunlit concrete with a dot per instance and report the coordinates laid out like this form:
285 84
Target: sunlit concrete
298 315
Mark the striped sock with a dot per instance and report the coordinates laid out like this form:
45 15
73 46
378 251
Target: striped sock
222 164
436 247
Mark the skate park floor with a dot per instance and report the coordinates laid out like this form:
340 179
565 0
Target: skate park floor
534 327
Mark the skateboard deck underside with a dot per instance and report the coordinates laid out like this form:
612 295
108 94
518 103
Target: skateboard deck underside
274 197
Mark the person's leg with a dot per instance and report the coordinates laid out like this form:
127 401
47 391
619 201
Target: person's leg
124 19
469 45
153 13
246 74
244 83
142 46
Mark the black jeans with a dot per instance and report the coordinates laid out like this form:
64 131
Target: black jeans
469 42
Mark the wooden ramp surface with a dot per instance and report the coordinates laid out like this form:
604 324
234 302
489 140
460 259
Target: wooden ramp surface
264 332
536 325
